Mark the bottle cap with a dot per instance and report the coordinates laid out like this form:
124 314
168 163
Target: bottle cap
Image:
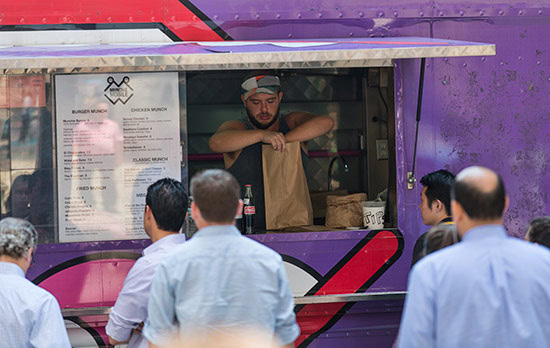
247 185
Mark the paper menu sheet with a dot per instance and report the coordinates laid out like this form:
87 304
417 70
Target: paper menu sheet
116 135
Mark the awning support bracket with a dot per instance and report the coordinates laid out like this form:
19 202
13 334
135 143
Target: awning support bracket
411 179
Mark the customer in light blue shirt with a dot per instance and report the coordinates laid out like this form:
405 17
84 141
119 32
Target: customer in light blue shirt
30 316
489 290
166 203
220 280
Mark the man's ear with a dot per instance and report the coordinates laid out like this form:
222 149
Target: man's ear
244 101
195 212
506 204
439 206
456 211
148 212
28 257
280 96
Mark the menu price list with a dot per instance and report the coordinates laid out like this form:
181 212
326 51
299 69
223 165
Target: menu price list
111 149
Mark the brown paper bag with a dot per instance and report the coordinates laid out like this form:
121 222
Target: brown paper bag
345 211
287 200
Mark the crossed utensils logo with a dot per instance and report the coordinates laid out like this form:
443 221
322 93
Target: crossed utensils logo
118 92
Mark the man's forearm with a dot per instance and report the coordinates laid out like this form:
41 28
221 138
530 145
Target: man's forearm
234 140
308 130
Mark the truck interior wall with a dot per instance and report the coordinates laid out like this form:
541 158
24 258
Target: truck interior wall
379 97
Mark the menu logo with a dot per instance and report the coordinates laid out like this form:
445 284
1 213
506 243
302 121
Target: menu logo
118 92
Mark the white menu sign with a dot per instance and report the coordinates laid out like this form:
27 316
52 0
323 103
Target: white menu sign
116 135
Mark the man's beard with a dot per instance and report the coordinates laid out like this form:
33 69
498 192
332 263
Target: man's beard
259 125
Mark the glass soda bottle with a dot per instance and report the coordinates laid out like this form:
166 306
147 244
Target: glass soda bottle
190 227
249 210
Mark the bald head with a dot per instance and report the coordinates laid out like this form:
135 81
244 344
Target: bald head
483 179
481 193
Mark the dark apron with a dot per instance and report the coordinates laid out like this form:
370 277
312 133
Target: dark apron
248 171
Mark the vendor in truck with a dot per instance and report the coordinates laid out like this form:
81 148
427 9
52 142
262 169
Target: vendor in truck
241 141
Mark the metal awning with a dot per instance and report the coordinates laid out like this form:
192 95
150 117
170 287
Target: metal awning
332 53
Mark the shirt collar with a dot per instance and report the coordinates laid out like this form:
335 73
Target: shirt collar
446 221
217 230
175 238
11 268
485 232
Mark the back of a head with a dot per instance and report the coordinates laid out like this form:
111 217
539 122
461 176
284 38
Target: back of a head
167 200
17 236
237 338
539 231
216 193
481 193
439 237
438 185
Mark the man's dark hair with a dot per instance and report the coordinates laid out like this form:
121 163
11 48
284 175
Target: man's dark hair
216 193
539 231
480 205
438 185
167 200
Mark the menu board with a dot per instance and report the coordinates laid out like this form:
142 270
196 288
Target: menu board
116 135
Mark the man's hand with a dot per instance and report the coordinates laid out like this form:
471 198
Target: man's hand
139 328
276 139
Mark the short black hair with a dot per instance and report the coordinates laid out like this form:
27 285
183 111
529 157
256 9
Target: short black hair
167 200
480 205
438 185
539 231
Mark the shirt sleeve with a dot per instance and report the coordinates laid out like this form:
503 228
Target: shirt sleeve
286 328
130 308
418 321
49 328
160 322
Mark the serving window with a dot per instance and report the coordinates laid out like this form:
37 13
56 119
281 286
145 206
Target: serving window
91 186
360 102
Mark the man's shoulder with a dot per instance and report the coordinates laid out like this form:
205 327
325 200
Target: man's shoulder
529 250
145 262
34 293
195 248
260 248
460 255
440 258
419 243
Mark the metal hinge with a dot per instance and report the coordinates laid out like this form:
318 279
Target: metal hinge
411 180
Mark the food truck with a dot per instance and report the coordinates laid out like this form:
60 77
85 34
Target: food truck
97 103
